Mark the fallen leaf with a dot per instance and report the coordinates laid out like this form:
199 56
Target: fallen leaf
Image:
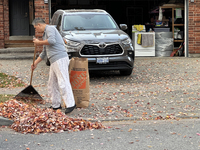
130 130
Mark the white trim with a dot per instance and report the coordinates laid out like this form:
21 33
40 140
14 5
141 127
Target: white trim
186 27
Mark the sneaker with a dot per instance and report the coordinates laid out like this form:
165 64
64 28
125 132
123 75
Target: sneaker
70 109
55 108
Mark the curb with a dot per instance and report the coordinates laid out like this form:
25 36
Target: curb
5 121
8 122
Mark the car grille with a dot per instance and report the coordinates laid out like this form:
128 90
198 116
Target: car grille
95 50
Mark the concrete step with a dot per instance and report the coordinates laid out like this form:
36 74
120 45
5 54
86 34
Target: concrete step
17 53
17 50
19 43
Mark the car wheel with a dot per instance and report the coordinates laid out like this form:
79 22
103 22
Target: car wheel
126 72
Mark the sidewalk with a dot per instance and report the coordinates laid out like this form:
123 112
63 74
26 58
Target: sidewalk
159 88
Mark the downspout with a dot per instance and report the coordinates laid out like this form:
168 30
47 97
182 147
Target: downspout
49 2
186 28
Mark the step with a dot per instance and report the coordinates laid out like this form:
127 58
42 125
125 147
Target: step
19 43
14 56
17 53
20 37
18 50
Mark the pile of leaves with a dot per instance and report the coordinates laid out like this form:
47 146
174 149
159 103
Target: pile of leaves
31 119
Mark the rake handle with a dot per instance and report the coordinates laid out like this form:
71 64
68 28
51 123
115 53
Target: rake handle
33 64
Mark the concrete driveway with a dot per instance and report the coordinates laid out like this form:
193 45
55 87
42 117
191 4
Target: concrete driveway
160 87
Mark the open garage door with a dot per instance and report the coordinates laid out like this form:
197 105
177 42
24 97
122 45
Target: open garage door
137 12
129 12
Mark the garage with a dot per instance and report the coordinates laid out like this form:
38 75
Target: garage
147 13
123 11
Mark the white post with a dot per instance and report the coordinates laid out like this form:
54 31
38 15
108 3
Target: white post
49 2
186 27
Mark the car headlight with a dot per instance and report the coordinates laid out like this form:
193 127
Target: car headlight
72 46
127 41
71 43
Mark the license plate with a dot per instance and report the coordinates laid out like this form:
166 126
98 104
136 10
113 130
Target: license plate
102 60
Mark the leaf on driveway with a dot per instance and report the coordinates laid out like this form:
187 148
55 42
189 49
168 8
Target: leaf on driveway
130 130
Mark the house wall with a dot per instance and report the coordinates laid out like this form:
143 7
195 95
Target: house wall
41 11
194 27
4 22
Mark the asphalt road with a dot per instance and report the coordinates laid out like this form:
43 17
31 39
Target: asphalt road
141 135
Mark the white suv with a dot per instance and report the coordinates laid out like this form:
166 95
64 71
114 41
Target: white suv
95 35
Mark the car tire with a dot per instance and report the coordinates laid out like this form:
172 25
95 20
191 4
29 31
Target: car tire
126 72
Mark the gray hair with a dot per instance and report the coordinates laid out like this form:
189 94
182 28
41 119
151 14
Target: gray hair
38 20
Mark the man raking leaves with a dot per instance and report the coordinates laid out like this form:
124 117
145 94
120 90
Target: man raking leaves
54 49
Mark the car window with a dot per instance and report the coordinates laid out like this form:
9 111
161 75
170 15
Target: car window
88 22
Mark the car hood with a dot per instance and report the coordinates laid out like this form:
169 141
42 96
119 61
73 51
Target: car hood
95 36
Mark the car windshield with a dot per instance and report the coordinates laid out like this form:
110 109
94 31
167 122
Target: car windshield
88 22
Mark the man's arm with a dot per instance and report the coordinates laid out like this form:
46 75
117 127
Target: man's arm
38 42
33 66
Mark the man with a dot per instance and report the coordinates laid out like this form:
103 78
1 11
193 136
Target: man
53 47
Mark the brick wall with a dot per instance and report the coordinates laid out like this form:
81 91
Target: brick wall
1 25
3 12
4 22
42 11
194 27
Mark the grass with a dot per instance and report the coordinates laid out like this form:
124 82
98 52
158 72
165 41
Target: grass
9 81
4 97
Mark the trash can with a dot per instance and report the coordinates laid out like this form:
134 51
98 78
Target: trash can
164 44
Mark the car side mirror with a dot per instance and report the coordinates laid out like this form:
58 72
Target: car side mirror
123 26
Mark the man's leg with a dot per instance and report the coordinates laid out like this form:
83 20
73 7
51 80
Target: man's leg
53 88
64 82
